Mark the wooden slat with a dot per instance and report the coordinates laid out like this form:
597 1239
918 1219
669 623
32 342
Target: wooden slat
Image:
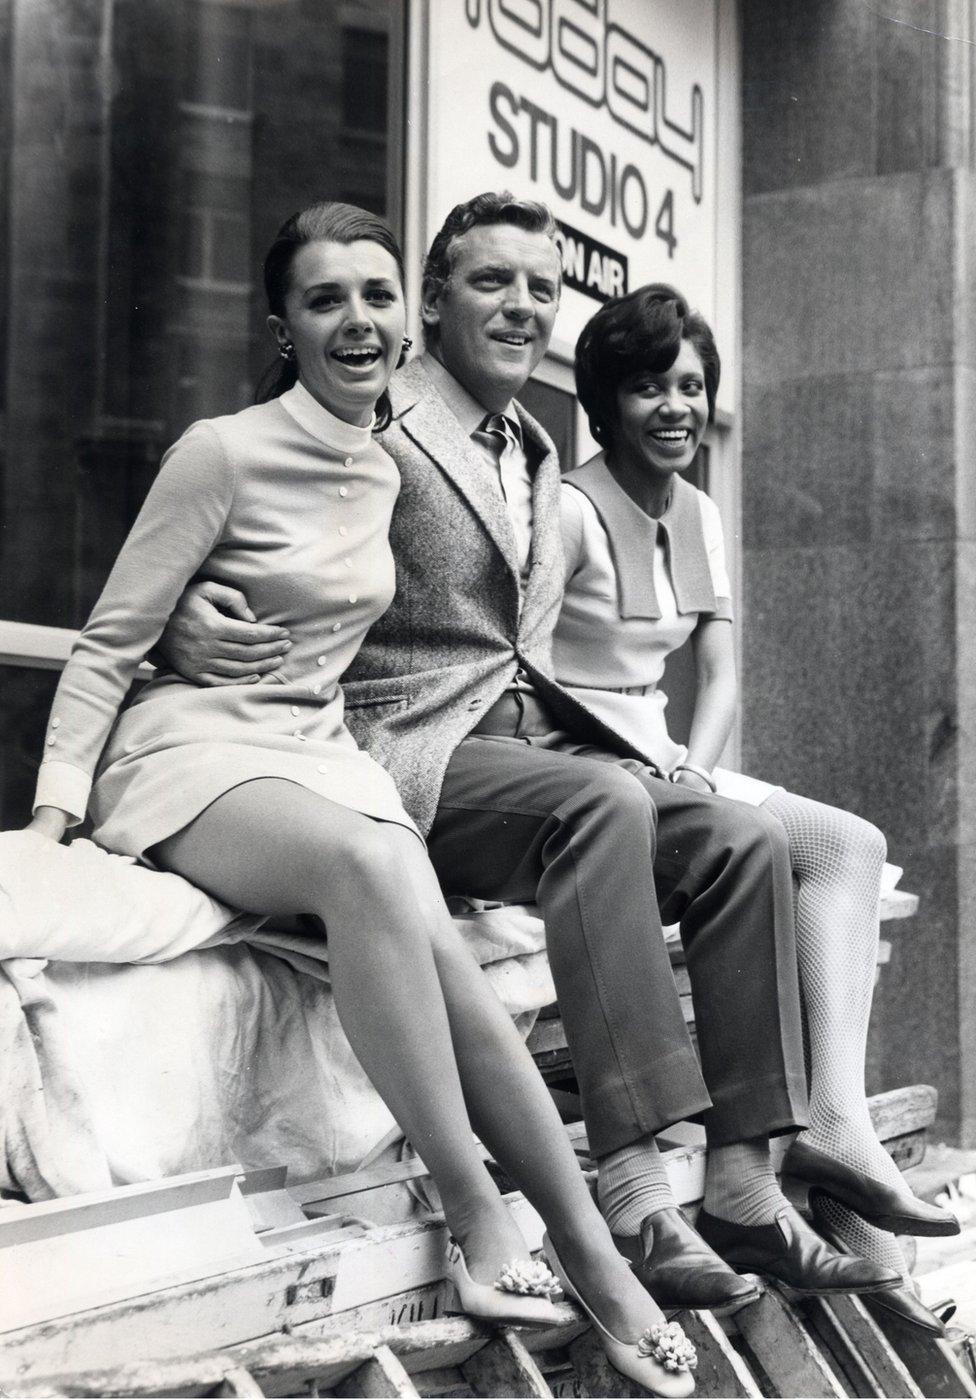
595 1375
382 1377
930 1360
241 1383
890 1372
189 1376
505 1367
783 1350
721 1370
830 1332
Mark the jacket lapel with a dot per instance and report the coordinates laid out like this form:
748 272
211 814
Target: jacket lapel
545 559
424 417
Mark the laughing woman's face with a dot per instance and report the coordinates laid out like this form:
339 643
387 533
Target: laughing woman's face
344 314
662 416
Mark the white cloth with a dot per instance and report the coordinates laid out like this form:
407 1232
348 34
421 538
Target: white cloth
113 1074
78 903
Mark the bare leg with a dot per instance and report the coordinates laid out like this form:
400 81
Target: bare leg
273 847
515 1117
394 958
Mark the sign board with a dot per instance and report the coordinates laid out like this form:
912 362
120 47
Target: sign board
607 111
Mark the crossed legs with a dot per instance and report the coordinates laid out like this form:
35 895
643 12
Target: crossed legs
420 1016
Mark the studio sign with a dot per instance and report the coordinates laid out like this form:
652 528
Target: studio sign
607 67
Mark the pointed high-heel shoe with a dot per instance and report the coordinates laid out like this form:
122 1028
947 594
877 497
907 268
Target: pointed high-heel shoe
521 1295
661 1359
899 1299
885 1207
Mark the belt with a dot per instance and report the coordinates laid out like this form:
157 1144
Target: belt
516 715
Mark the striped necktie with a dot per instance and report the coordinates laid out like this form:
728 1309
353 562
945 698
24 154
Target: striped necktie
499 434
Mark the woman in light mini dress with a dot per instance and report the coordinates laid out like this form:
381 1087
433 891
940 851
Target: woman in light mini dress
258 793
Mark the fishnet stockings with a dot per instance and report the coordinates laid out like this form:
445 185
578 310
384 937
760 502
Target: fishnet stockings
837 861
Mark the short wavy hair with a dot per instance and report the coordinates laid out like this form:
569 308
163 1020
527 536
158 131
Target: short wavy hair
495 207
642 330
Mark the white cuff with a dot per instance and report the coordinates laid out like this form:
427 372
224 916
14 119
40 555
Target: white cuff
63 785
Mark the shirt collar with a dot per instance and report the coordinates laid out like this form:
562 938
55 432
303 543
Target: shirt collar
316 419
466 409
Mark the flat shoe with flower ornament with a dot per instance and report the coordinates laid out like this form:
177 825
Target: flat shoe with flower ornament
521 1295
661 1359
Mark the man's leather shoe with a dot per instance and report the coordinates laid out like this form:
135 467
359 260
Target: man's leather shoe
790 1253
679 1270
880 1205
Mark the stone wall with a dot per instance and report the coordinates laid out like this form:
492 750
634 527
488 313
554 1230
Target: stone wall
859 502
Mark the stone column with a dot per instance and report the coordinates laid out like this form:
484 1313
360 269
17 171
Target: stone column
859 480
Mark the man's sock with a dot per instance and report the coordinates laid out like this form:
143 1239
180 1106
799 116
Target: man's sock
740 1184
632 1184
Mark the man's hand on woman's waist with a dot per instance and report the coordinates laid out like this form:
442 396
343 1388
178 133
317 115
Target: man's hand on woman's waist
213 637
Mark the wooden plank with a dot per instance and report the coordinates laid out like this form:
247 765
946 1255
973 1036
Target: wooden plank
721 1370
903 1110
595 1375
930 1360
832 1337
781 1349
890 1372
284 1365
505 1367
189 1376
898 904
103 1249
382 1376
239 1382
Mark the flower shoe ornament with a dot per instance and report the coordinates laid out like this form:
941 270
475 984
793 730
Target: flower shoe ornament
522 1293
667 1344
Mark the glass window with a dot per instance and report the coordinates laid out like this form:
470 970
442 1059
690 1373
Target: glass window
159 145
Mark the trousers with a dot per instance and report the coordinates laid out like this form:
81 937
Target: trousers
606 849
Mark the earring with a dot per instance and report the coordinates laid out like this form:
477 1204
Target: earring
286 350
407 344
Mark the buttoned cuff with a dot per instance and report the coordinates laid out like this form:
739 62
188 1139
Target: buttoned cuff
62 785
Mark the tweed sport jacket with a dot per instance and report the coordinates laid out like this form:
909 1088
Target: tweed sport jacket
454 636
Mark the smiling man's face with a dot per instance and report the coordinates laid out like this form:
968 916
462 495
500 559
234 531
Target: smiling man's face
495 314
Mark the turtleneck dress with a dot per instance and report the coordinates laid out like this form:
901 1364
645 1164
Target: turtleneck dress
291 505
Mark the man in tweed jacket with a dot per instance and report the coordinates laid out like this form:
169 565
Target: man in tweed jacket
451 691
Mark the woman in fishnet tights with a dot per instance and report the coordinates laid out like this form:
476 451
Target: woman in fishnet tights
645 572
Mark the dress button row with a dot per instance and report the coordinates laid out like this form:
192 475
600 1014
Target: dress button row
317 689
354 597
55 722
343 490
323 768
321 660
343 529
337 626
52 738
299 735
348 461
